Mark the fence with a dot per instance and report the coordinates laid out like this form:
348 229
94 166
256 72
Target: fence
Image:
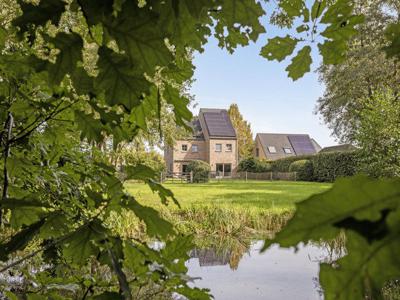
188 177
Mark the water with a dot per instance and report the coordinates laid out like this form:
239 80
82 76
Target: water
278 273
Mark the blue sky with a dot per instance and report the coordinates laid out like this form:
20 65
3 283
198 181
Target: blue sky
267 98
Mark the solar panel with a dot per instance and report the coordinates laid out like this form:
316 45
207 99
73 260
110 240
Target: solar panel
301 144
218 124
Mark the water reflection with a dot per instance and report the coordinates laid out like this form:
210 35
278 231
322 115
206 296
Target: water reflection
276 274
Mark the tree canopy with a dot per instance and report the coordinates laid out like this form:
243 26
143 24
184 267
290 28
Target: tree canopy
243 131
77 73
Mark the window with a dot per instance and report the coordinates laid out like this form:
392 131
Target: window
271 149
195 148
257 152
287 150
218 147
184 147
228 147
184 168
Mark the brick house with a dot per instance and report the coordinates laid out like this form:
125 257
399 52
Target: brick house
273 146
213 141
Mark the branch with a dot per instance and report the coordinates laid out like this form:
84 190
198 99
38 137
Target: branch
8 126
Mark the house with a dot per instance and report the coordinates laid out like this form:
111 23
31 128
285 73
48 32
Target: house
339 148
273 146
213 141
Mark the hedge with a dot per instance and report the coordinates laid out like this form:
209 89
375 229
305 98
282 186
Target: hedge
200 169
326 166
304 169
254 165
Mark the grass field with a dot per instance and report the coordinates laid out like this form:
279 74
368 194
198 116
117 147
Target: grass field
274 196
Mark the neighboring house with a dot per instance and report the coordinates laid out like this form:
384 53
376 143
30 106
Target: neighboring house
273 146
213 141
339 148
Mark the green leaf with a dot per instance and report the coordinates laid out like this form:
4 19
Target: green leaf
55 225
140 172
163 192
279 48
333 52
24 211
107 296
90 127
47 10
81 244
178 248
361 271
122 83
293 8
302 28
317 9
155 225
392 34
319 216
70 46
20 240
300 63
180 105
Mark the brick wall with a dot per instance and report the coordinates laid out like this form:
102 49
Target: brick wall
223 157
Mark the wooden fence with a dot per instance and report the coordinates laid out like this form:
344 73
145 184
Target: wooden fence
188 177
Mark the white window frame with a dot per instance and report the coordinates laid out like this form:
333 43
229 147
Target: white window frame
229 149
272 149
216 147
195 148
184 145
287 150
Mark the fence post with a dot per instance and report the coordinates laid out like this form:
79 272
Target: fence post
270 175
161 179
246 176
191 176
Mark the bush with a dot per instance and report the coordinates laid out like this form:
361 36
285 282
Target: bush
283 164
303 168
200 169
254 165
329 166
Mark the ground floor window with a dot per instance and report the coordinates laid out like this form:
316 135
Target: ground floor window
223 169
184 168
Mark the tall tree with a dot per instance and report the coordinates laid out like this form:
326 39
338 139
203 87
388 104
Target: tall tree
365 70
243 132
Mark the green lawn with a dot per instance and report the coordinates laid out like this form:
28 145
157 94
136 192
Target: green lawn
270 195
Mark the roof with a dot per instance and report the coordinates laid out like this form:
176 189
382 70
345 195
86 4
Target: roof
339 148
196 127
299 144
217 122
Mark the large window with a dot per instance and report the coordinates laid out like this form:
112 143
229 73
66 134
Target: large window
287 150
195 148
218 147
228 147
271 149
184 147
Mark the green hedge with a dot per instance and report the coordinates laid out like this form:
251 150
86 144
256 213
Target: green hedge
304 169
329 166
200 169
254 165
326 167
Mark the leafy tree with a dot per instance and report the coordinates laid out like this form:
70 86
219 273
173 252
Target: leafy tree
378 134
243 132
77 73
365 70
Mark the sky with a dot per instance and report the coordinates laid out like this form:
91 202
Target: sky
266 97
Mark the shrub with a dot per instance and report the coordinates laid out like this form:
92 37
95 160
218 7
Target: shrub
329 166
200 169
303 168
254 165
283 164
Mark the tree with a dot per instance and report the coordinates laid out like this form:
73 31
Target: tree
365 70
378 134
243 132
75 74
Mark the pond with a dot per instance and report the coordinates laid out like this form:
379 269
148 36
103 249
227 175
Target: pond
277 273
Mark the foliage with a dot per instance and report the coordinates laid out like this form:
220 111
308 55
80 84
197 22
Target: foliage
243 132
201 170
368 212
365 70
283 164
254 165
378 135
329 166
303 168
